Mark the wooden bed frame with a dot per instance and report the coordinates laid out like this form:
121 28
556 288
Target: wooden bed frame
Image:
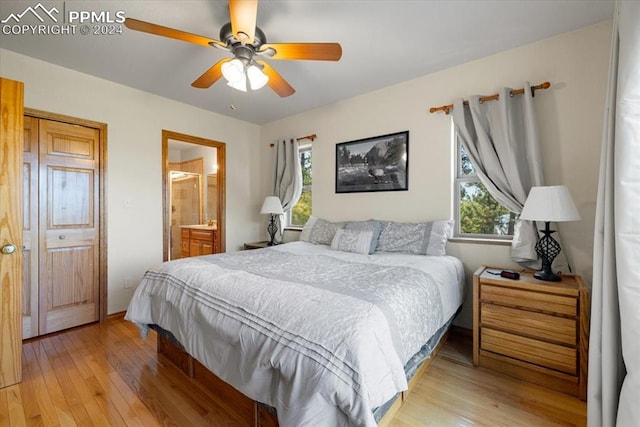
252 413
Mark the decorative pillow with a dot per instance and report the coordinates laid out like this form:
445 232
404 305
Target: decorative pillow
358 241
374 226
425 238
319 231
306 230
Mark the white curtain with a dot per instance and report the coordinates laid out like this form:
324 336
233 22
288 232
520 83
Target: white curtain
287 177
287 174
614 347
501 139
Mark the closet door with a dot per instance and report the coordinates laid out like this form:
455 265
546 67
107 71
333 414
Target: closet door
69 225
30 229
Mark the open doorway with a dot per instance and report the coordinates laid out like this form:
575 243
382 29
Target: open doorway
193 174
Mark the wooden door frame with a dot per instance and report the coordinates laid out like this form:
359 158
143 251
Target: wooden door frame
221 183
102 212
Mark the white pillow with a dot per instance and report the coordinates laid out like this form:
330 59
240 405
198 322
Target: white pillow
319 231
357 241
306 230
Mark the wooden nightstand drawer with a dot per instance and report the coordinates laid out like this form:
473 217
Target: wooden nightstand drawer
541 353
561 330
531 329
527 299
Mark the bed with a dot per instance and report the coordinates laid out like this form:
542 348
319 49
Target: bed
317 335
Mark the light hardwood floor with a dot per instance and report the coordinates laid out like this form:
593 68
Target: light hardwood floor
106 375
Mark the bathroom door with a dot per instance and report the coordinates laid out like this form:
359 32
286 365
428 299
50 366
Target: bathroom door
11 106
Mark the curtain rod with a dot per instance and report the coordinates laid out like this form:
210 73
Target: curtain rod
312 137
447 108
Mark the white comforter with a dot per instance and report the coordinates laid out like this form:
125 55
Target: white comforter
320 335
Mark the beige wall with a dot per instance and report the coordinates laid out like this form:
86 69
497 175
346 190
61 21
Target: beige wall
570 118
135 121
570 122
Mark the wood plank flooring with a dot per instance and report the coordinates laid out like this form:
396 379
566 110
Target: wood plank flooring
105 375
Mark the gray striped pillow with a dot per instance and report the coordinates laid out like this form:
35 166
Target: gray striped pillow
357 241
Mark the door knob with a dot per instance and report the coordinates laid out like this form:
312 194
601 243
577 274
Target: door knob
9 248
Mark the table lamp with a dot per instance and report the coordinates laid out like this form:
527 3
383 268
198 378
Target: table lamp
273 207
549 204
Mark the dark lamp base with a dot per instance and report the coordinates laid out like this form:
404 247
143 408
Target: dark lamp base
547 249
272 229
547 276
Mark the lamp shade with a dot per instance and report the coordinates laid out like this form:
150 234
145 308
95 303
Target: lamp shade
257 78
272 205
233 71
239 85
551 203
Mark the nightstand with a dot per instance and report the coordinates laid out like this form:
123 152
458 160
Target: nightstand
533 330
256 245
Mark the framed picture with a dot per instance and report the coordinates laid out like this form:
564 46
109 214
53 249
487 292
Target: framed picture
373 164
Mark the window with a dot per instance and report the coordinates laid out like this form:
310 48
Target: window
301 212
477 213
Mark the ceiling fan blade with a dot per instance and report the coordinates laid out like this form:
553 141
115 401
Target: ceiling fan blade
210 76
159 30
312 51
276 82
243 19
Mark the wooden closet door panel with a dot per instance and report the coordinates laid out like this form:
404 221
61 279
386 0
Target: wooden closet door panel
69 231
72 297
30 229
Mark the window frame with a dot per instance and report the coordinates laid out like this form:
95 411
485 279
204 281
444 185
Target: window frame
288 226
458 179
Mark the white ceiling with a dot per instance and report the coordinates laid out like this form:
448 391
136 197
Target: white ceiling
383 42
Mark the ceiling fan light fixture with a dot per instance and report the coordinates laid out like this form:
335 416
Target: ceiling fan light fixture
233 71
257 78
244 41
239 85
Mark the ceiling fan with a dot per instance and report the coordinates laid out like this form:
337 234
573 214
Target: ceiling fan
246 42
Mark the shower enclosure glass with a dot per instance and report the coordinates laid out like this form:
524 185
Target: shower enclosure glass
186 206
